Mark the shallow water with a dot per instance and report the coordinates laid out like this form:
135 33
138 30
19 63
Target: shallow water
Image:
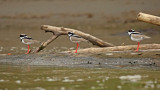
61 78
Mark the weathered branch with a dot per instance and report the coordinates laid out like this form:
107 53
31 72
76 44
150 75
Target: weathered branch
148 18
43 45
57 31
64 31
116 48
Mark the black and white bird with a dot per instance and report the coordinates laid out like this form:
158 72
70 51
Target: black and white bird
137 36
76 39
27 40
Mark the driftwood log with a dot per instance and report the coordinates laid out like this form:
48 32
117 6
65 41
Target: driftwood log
57 31
107 47
148 18
116 48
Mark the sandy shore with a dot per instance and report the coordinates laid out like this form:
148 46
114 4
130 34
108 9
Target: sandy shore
98 61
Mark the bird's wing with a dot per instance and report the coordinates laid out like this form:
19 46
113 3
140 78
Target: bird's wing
30 41
78 39
26 37
136 36
144 36
76 36
139 36
137 33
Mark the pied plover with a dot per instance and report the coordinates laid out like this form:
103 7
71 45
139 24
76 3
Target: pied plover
27 40
137 36
76 39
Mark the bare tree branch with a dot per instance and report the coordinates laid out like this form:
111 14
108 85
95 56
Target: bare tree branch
44 44
57 31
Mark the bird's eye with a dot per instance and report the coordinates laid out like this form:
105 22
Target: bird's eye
131 30
70 33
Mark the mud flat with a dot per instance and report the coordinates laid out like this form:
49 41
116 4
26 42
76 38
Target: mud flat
107 60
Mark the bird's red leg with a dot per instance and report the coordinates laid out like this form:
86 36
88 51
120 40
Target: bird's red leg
138 47
28 49
77 48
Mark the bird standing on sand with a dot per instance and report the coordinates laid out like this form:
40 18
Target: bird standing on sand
137 36
27 40
76 39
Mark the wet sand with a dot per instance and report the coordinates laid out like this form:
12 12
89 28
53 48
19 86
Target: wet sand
107 60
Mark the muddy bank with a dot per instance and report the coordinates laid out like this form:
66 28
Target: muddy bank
80 61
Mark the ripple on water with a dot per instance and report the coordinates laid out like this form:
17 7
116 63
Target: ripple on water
149 84
93 87
2 80
18 81
66 79
119 87
40 88
98 81
63 88
158 86
52 79
36 80
106 78
80 80
132 78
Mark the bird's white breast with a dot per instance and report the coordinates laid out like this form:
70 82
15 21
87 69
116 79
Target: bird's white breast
26 42
74 39
137 39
